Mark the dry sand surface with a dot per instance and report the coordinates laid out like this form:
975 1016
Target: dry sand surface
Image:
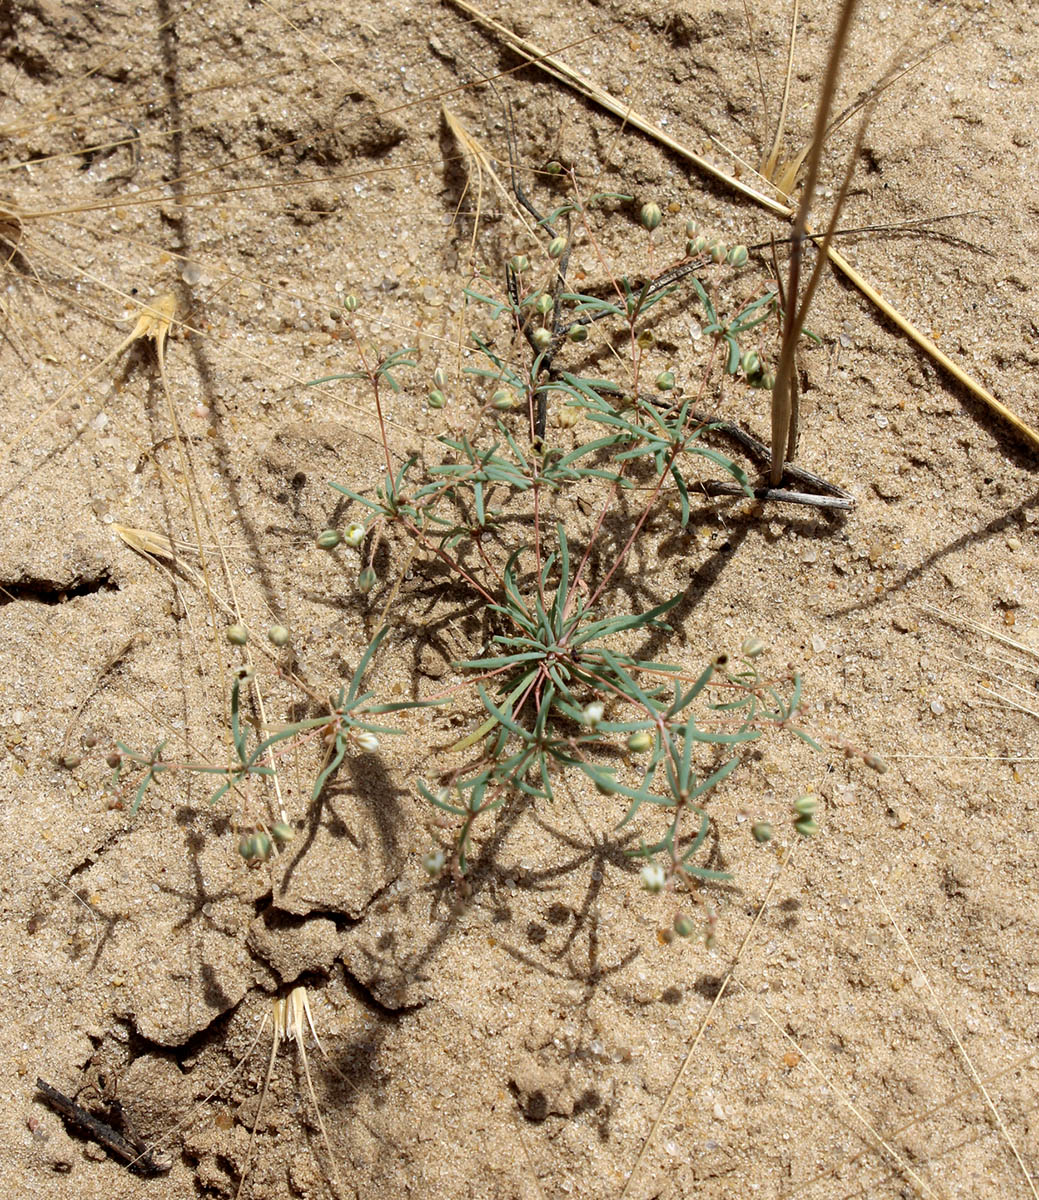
262 162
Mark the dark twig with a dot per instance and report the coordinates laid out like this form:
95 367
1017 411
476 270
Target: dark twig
125 1146
720 487
832 497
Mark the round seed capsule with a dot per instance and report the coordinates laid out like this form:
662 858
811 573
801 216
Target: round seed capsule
650 216
366 580
640 741
665 381
278 635
717 251
437 399
578 333
237 634
543 304
328 539
542 338
503 400
520 263
737 256
553 168
556 247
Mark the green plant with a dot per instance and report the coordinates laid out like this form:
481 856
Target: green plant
559 690
562 689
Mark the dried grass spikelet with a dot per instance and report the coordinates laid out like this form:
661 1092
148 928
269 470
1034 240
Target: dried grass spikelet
155 321
10 228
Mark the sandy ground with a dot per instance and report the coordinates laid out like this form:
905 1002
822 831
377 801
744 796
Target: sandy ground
260 164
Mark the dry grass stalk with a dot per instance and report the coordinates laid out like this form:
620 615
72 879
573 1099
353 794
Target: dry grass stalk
555 67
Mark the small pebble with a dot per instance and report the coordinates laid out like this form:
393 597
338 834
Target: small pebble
937 707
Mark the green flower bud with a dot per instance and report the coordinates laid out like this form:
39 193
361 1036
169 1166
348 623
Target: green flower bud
278 635
328 539
542 339
440 378
737 256
751 363
717 251
690 228
650 216
553 168
282 832
437 399
762 831
237 634
351 304
665 381
578 333
807 805
504 399
255 848
520 263
640 741
543 304
367 580
806 827
557 247
683 926
697 246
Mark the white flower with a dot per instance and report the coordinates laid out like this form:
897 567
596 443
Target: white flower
354 535
366 741
593 713
433 862
654 877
